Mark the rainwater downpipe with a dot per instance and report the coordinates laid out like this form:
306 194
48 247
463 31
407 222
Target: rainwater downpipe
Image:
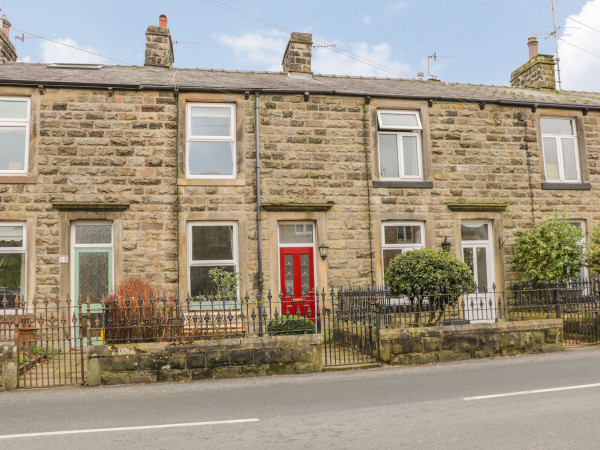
258 204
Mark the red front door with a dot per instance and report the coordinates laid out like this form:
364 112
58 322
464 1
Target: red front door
297 281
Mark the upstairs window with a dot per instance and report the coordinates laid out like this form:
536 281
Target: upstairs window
210 151
399 140
400 237
15 118
561 155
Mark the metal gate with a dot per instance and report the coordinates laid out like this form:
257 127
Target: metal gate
351 328
49 337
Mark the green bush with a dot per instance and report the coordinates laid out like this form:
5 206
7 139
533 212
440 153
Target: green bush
290 325
550 251
593 251
439 274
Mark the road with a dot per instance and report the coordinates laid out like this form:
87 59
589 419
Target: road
433 406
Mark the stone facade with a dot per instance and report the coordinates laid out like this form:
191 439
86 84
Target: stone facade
456 342
227 358
159 46
298 54
9 367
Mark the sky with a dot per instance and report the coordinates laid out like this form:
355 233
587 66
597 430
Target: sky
476 41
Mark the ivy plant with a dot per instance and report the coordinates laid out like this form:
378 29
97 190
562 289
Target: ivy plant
550 251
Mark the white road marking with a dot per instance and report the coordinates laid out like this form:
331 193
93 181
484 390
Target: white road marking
536 391
142 427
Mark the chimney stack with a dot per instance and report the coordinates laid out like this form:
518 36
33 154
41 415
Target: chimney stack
537 73
298 55
7 49
159 46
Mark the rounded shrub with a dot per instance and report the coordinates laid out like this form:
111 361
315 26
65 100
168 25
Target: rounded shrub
285 325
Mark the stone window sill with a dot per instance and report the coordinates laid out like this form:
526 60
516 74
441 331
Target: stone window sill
403 184
15 179
211 182
567 186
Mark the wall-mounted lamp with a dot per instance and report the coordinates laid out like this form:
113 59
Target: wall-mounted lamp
323 249
446 245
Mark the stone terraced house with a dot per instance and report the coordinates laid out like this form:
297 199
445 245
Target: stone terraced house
111 171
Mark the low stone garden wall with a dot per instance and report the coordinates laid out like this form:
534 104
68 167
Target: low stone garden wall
481 340
9 367
225 358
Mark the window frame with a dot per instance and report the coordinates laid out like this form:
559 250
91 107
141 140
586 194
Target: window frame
581 224
191 138
399 132
25 123
559 150
212 262
17 250
403 247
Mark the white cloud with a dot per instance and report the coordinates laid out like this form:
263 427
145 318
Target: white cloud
578 68
25 59
257 48
395 7
55 53
367 19
264 51
327 61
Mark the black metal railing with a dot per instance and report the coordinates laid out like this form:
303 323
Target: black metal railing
171 319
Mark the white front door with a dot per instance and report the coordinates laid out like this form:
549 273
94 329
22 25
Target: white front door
478 254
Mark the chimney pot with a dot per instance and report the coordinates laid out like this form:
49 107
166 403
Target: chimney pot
532 43
420 75
162 21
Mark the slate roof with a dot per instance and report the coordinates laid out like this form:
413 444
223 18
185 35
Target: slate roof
209 79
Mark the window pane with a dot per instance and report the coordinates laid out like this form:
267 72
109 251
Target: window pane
556 126
468 258
13 109
93 234
12 148
200 282
93 275
388 156
288 262
11 236
394 120
388 255
402 234
296 233
210 243
12 277
569 159
474 231
210 158
482 281
211 121
410 157
304 274
551 159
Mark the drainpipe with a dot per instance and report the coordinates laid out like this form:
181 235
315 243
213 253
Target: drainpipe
258 205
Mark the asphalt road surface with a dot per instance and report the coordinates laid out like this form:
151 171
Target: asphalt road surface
531 402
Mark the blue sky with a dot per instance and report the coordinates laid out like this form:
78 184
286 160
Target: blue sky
485 38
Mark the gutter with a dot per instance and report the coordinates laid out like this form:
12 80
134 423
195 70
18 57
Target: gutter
521 103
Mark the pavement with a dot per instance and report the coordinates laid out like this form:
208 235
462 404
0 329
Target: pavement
531 401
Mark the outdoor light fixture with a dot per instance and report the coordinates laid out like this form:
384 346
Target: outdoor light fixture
446 245
323 249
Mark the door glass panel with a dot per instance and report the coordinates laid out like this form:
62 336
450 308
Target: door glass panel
474 231
296 233
569 158
551 158
388 156
482 281
388 255
410 156
289 275
12 277
12 146
200 282
11 236
93 275
210 243
468 258
305 274
93 234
